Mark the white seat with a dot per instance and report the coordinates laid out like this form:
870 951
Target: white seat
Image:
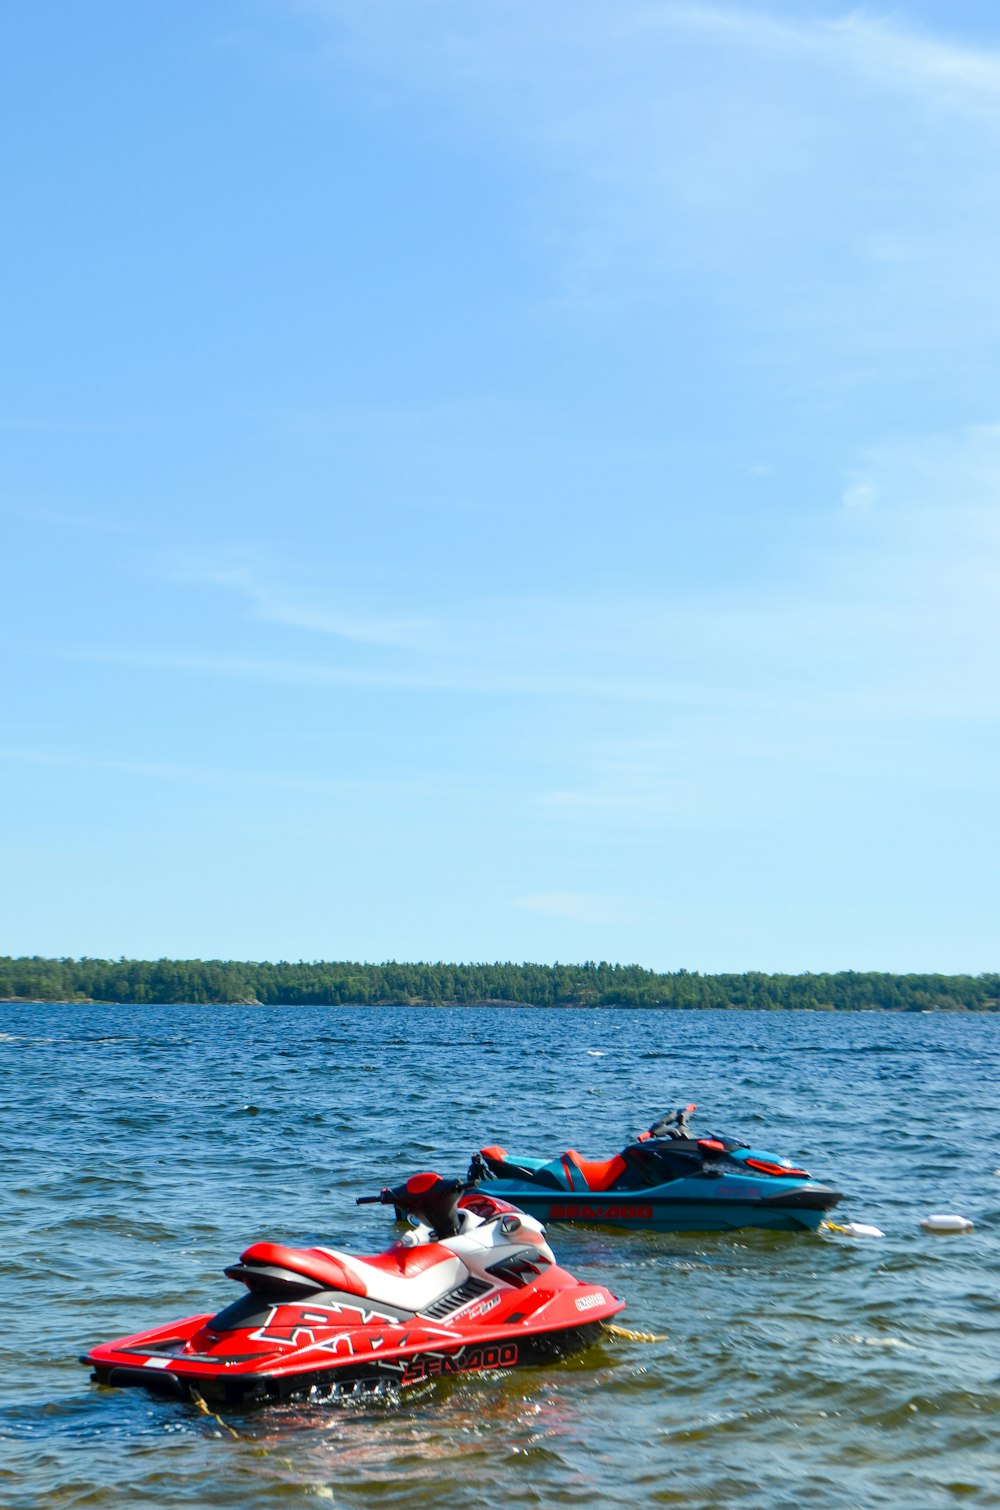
409 1292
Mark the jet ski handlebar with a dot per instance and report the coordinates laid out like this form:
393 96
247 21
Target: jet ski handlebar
673 1124
416 1190
429 1197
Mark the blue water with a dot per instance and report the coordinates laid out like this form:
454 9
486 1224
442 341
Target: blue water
145 1147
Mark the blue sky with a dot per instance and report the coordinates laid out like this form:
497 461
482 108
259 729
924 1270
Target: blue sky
511 480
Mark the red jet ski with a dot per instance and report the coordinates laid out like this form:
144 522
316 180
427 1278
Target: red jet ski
473 1286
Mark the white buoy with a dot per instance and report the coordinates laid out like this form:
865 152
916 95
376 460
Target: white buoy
854 1229
946 1221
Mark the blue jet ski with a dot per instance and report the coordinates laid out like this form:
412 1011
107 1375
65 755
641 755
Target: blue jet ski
668 1180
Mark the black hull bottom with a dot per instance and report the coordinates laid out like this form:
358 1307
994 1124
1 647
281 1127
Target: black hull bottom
529 1350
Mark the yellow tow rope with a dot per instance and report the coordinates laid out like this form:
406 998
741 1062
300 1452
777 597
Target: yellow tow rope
629 1336
199 1402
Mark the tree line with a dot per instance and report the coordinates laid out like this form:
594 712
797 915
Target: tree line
327 983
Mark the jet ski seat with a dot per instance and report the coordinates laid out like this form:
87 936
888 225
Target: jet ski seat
599 1174
407 1277
320 1265
499 1164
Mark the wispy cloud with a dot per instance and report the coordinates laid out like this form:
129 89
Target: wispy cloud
41 513
439 675
743 151
885 48
188 775
303 603
888 602
963 78
473 42
870 657
860 494
877 664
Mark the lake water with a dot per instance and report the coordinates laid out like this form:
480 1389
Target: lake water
146 1146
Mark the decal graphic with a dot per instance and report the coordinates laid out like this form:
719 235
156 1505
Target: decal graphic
296 1325
355 1344
483 1307
468 1360
588 1302
594 1213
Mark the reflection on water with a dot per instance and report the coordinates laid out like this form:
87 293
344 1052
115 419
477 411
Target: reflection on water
147 1147
452 1424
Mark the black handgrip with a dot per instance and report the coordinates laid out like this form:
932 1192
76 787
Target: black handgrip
371 1200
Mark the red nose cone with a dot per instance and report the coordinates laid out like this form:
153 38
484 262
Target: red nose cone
419 1184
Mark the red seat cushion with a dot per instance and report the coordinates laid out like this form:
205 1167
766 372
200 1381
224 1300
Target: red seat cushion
598 1173
329 1271
406 1261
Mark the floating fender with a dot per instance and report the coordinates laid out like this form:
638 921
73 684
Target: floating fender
944 1221
854 1229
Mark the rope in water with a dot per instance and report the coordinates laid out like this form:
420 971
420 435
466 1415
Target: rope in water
629 1336
200 1403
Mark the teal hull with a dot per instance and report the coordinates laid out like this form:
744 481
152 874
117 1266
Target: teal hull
793 1209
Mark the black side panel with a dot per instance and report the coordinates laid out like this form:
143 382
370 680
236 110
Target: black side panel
472 1288
549 1347
156 1381
250 1310
809 1198
270 1277
656 1164
253 1309
502 1169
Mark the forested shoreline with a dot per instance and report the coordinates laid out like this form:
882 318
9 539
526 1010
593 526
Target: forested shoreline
321 983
